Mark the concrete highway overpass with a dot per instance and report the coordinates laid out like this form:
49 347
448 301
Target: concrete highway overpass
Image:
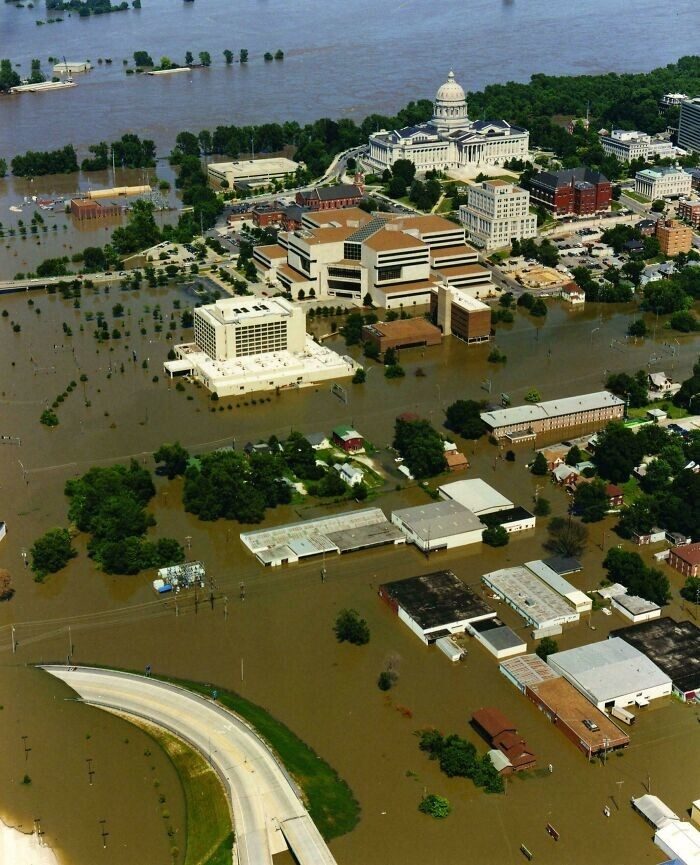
268 813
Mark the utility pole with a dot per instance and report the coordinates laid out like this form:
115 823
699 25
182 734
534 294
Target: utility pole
91 771
212 586
104 833
225 607
241 587
196 598
14 642
70 645
27 749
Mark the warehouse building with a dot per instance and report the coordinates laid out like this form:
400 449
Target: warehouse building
612 673
435 605
634 608
674 647
578 600
439 526
475 494
531 598
402 333
338 533
497 638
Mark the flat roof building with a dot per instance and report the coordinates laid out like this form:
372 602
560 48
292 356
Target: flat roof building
254 172
526 670
685 559
247 344
497 638
402 333
475 494
459 314
612 673
634 608
496 212
439 525
435 605
662 181
674 647
689 125
578 600
515 519
338 533
540 606
558 414
589 729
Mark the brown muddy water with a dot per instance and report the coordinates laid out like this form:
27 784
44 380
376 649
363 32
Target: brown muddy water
276 646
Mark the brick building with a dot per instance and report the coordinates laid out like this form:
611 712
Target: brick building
330 197
674 237
686 559
88 208
348 439
460 315
403 333
689 209
575 190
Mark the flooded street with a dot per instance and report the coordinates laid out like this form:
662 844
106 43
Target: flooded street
277 647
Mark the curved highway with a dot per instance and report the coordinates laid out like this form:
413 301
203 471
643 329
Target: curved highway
268 813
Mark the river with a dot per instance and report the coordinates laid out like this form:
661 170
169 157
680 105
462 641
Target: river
341 59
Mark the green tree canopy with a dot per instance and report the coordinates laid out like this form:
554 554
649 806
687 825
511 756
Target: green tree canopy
174 458
51 552
351 628
421 446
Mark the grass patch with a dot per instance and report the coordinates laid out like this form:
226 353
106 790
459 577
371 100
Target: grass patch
673 411
631 490
636 196
208 837
330 801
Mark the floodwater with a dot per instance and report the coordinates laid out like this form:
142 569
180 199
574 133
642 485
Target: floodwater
276 646
341 59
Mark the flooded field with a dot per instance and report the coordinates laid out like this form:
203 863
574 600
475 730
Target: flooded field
276 646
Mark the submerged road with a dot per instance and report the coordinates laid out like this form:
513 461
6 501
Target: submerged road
268 813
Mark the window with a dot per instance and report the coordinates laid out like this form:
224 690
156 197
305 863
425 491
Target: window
352 251
346 272
384 273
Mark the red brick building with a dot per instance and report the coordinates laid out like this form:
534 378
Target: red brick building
330 197
501 733
616 496
575 190
88 208
689 209
266 214
686 559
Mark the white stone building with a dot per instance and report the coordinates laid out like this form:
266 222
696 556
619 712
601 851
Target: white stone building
449 140
496 212
244 345
662 182
626 145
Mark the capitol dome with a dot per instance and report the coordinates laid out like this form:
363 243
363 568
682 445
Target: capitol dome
450 108
450 91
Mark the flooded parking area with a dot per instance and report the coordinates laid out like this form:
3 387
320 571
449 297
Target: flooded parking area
276 646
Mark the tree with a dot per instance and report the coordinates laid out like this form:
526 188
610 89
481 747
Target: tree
617 453
301 457
533 395
142 58
546 647
658 206
691 590
360 376
495 536
573 456
435 806
53 267
385 681
567 537
243 55
431 741
421 446
205 58
542 507
228 55
464 418
591 501
350 628
538 308
6 589
189 58
174 458
457 757
539 465
633 388
51 552
629 570
685 321
638 328
49 418
396 188
404 169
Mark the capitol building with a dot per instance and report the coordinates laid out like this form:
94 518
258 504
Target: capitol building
450 140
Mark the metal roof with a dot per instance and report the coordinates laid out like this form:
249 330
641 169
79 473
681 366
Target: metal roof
551 408
655 811
437 600
608 669
438 520
475 494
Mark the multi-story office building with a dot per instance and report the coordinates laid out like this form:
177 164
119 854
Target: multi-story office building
674 237
496 212
460 315
689 125
662 182
450 139
246 344
626 145
397 260
575 190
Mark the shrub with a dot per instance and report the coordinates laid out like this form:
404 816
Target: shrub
435 806
351 628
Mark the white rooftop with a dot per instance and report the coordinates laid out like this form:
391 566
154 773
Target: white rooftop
656 811
608 669
435 520
559 584
233 309
551 408
247 167
530 597
681 840
635 605
476 495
